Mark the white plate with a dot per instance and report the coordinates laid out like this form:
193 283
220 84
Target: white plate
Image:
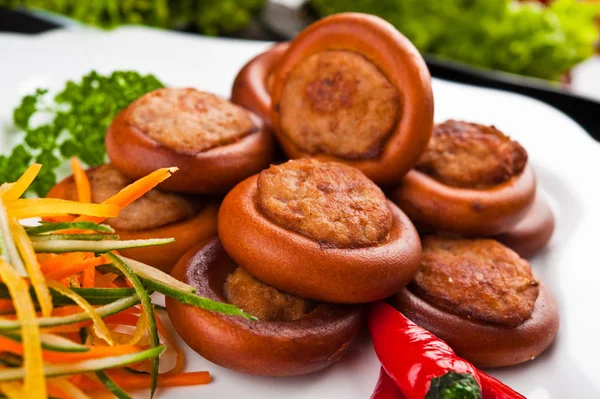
566 159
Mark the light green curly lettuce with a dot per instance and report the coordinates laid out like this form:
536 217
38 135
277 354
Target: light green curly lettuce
523 38
207 16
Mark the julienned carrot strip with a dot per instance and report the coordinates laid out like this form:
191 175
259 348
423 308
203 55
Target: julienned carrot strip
20 186
84 266
106 280
95 352
63 260
44 207
133 191
88 277
128 380
82 183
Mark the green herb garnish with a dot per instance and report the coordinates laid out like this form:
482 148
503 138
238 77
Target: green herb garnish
76 122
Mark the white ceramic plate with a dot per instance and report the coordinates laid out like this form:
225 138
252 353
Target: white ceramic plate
566 159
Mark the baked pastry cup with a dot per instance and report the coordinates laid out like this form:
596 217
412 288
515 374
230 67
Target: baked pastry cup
253 84
482 299
214 143
155 215
533 232
319 230
352 89
278 348
472 180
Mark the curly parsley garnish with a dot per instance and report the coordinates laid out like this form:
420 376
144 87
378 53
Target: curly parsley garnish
75 123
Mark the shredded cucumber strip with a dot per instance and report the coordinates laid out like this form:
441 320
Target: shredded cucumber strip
86 366
151 273
111 385
9 248
49 227
51 342
148 311
53 321
72 237
161 282
62 246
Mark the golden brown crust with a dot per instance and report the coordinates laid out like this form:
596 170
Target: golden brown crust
533 232
337 102
154 209
263 301
189 120
400 63
187 233
294 263
470 155
477 279
270 348
253 84
329 202
214 171
487 345
436 207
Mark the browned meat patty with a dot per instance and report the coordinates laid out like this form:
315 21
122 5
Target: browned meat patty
263 301
480 279
329 202
470 155
154 209
338 102
188 120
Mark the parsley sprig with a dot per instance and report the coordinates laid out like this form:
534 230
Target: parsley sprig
77 120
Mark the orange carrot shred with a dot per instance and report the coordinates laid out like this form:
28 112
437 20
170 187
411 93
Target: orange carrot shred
95 352
133 191
84 192
88 265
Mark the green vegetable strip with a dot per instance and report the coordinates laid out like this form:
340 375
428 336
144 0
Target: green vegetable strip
73 237
57 370
62 246
49 227
9 247
151 273
95 296
148 311
159 281
111 385
52 342
103 311
198 301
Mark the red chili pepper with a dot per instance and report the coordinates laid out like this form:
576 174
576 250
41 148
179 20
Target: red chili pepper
386 388
494 389
420 364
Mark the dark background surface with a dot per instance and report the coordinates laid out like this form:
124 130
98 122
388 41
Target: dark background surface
584 111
